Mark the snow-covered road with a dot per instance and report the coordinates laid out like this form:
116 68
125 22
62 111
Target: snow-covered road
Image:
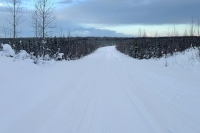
105 92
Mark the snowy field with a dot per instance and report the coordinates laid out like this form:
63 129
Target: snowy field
105 92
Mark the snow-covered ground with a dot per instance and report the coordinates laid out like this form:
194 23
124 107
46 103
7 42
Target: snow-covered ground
105 92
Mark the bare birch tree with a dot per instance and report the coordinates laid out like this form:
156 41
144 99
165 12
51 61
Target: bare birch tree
198 26
35 22
44 22
185 33
15 15
139 33
175 31
192 28
144 35
5 31
156 34
168 32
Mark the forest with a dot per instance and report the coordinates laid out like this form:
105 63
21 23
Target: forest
72 48
156 47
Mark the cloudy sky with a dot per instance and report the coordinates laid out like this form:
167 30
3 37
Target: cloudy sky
114 17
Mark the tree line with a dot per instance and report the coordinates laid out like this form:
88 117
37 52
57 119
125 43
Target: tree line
156 47
72 48
76 47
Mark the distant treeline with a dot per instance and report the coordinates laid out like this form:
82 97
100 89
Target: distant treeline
156 47
72 47
77 47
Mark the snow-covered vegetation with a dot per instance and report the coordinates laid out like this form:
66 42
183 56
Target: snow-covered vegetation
42 51
156 47
186 59
7 51
63 48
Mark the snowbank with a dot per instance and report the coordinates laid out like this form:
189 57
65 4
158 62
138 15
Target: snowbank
188 59
7 50
41 62
22 55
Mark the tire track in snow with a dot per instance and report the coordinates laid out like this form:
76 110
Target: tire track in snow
90 86
132 82
142 115
102 94
171 109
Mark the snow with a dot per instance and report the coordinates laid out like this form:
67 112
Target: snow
39 61
105 92
188 59
22 55
47 57
7 50
59 56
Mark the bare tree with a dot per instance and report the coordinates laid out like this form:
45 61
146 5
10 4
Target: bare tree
144 35
35 22
5 31
185 33
168 32
15 15
156 34
192 28
139 33
45 12
62 34
175 31
198 26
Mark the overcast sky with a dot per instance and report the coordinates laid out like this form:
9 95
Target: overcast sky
114 17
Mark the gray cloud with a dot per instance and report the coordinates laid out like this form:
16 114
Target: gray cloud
71 14
69 1
80 31
65 2
133 11
76 30
3 9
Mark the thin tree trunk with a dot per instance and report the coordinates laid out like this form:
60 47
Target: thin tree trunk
14 22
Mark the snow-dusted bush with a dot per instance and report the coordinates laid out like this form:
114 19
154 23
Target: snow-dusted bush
1 47
41 62
47 57
7 50
59 56
32 55
22 55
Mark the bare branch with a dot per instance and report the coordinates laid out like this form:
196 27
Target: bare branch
45 17
15 15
